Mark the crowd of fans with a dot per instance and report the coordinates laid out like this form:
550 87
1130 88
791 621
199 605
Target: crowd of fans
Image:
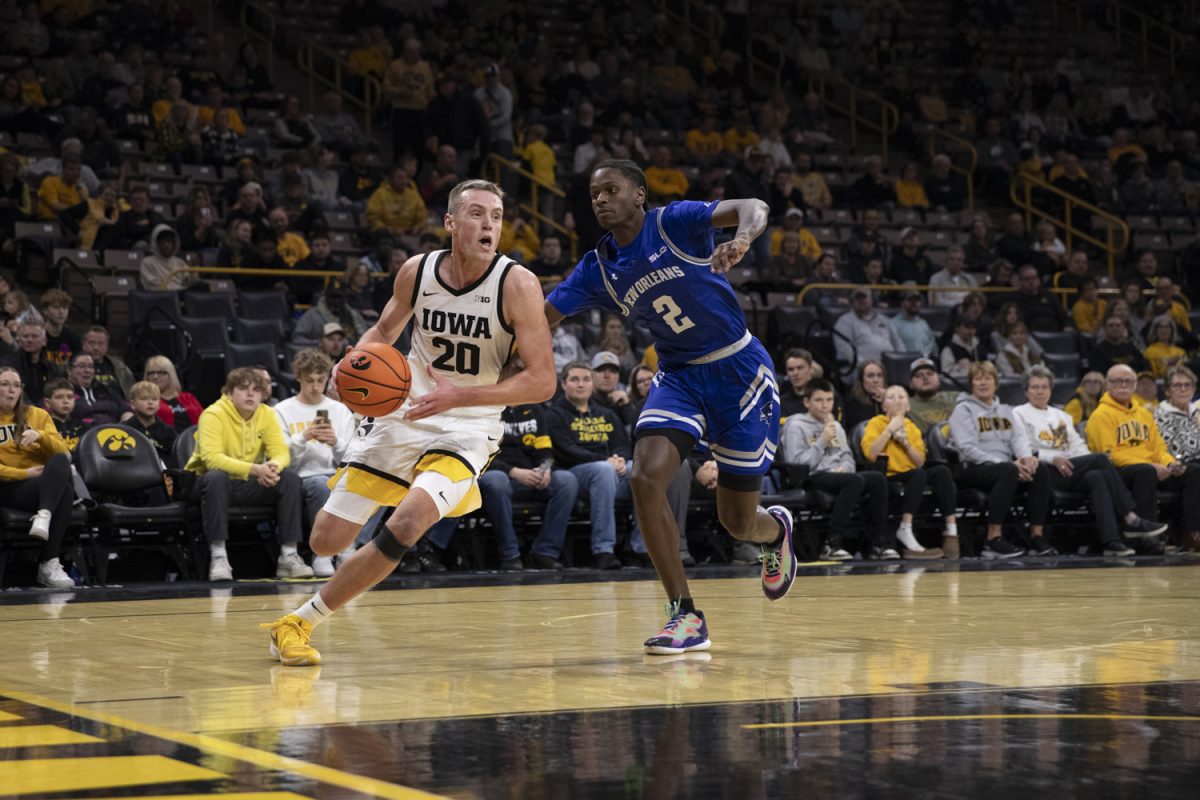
144 133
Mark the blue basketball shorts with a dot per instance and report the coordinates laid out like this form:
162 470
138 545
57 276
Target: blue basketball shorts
731 406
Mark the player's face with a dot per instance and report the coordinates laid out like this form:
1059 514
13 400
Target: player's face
578 385
615 200
475 226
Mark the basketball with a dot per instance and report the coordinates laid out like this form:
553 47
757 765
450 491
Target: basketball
373 379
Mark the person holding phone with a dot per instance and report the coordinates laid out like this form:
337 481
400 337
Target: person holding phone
318 429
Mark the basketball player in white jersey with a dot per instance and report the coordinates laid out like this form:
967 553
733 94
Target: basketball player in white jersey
469 306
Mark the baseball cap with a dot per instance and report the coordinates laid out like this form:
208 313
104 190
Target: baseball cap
333 327
1146 374
904 234
912 294
606 358
860 291
919 364
793 212
753 150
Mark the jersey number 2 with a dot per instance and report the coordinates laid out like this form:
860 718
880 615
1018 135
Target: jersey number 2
465 357
672 314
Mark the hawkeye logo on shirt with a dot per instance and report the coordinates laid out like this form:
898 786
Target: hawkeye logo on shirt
591 429
1132 433
1054 438
988 424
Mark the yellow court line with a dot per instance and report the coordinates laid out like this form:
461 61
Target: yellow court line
41 775
214 746
820 723
230 796
41 736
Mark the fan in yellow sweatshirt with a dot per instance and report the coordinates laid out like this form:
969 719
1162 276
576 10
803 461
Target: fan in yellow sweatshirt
1128 434
16 460
225 440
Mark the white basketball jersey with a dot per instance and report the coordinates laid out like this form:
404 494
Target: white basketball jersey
462 333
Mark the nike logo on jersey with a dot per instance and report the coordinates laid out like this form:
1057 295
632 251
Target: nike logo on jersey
443 496
492 439
428 294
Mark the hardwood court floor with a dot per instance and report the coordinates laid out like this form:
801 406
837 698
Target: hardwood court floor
936 682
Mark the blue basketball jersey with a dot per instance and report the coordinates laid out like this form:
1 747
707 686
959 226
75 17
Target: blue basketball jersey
662 279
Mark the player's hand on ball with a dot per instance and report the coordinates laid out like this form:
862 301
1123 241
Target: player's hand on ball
727 254
445 396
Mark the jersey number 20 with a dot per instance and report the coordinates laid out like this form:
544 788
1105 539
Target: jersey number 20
463 359
672 314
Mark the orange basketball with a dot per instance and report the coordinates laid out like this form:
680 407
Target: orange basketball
373 379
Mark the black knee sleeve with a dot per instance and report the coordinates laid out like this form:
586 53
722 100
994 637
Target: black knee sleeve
389 545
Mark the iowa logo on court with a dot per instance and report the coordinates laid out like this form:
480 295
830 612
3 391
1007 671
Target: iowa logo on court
115 440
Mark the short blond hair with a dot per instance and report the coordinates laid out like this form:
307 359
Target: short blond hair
311 361
983 368
475 183
144 390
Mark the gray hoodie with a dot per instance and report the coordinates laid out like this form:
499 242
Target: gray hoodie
158 271
986 434
798 445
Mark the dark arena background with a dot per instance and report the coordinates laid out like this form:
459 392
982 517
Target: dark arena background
990 206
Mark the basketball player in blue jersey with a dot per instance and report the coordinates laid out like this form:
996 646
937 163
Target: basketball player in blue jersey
715 385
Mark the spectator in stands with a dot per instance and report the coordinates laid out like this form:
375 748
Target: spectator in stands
59 402
608 391
291 130
95 403
664 182
1015 245
262 254
1072 178
952 277
1074 469
100 150
826 271
455 117
740 137
793 222
567 347
61 341
220 144
318 429
1049 245
163 270
864 334
909 263
110 370
980 250
144 399
290 245
1008 318
35 475
16 201
1165 303
1146 392
910 192
497 102
196 225
17 308
1072 277
1017 357
338 130
1125 430
358 180
1040 311
640 381
1115 348
614 339
137 223
866 242
1000 276
998 460
332 307
178 140
242 457
1181 431
704 143
1086 397
789 269
998 158
356 285
28 35
865 398
59 194
1175 194
1164 351
929 405
964 348
784 195
812 120
1137 190
873 189
1121 308
798 363
812 183
321 181
749 179
320 258
236 250
31 360
251 206
518 239
815 439
590 441
895 437
550 262
947 191
333 340
437 179
177 408
396 206
911 329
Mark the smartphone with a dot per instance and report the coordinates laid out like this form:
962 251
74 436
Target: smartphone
323 416
206 212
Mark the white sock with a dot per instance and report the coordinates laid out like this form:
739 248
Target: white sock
217 549
288 549
905 534
952 529
314 612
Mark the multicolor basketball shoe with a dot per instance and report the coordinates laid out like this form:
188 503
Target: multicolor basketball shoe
289 642
684 631
779 559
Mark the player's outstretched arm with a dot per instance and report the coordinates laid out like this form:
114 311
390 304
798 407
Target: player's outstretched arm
391 322
523 311
750 216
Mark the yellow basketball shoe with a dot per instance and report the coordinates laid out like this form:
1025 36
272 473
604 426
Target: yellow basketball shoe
289 642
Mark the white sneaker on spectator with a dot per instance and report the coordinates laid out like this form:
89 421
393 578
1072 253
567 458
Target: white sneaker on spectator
291 565
219 568
322 566
344 556
51 574
40 525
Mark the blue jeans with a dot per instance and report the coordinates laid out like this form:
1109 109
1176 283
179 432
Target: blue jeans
498 492
600 486
316 491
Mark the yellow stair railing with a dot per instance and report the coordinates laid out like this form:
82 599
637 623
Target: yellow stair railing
326 67
1149 36
702 21
756 47
863 108
259 26
957 145
495 168
1076 213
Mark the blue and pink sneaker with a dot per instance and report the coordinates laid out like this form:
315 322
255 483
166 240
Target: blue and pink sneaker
684 632
779 560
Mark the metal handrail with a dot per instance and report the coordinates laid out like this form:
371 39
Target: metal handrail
1129 25
699 18
755 47
495 166
1021 191
963 145
920 287
256 13
307 52
887 122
